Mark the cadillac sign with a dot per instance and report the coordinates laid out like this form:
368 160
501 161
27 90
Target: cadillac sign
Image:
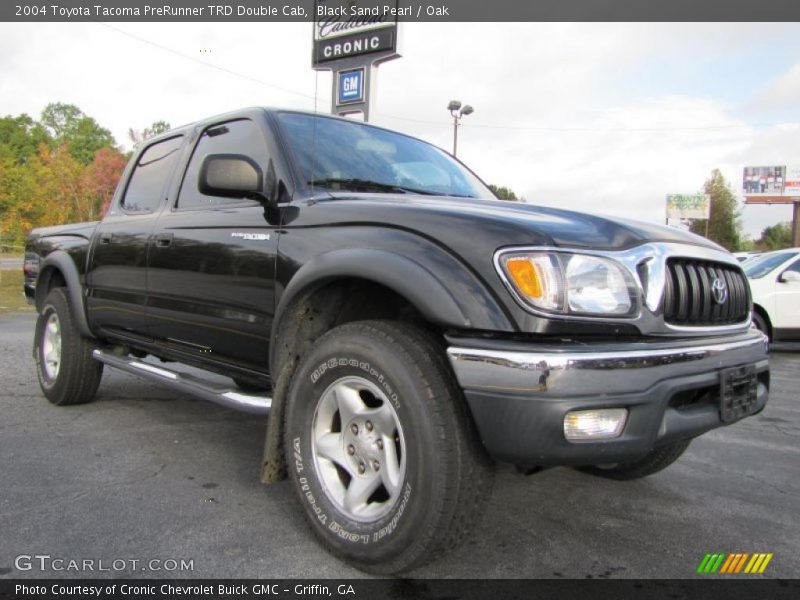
353 29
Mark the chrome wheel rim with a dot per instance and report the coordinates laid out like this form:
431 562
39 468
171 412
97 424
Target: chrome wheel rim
51 346
359 449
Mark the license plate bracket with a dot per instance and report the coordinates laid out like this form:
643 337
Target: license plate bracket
738 394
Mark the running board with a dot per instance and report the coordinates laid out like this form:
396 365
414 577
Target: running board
189 384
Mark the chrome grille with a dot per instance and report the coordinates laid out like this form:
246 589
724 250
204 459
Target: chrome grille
689 297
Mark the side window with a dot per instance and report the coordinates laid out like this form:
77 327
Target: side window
795 266
234 137
153 170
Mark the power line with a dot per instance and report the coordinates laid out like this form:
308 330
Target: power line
440 123
208 64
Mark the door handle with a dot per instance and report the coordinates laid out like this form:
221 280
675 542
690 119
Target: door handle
164 239
105 238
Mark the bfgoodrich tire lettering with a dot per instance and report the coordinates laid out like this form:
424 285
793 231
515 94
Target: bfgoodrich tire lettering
441 476
67 372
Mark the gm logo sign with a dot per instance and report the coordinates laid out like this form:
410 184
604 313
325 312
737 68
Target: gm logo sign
350 86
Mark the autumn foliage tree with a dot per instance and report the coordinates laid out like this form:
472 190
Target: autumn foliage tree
100 178
63 168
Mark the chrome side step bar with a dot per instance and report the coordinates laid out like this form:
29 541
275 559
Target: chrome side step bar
184 382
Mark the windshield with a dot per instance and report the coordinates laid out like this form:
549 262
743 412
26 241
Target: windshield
339 154
758 266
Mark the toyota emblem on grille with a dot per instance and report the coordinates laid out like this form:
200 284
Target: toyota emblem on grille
719 289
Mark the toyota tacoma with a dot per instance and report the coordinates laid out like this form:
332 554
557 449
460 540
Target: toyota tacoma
403 328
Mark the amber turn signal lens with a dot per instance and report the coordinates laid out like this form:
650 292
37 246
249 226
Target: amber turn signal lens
524 274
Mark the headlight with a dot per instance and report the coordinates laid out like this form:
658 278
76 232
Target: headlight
570 283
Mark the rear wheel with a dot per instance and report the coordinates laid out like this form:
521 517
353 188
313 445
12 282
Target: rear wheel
67 372
382 453
658 459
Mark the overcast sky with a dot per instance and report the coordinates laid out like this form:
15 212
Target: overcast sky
606 118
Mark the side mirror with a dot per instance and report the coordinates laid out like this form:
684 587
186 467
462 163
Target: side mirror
231 176
789 277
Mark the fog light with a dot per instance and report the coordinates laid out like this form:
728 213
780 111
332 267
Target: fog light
603 424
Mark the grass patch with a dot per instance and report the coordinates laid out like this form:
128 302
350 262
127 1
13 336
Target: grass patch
11 297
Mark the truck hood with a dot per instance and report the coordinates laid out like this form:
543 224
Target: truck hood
503 223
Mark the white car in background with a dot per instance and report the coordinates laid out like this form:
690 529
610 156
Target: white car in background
775 283
743 256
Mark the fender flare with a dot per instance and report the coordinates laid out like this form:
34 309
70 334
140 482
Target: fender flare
62 262
407 277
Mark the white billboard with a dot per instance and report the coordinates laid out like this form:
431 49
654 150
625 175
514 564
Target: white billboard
791 186
688 206
763 181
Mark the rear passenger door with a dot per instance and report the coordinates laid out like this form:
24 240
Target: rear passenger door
212 260
116 280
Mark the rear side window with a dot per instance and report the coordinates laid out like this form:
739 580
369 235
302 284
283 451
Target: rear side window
235 137
150 176
795 267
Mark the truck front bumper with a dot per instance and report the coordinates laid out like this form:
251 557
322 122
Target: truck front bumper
520 394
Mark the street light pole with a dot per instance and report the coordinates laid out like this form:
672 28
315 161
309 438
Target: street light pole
455 134
457 111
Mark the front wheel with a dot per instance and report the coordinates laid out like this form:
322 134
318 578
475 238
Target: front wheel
381 450
658 459
67 372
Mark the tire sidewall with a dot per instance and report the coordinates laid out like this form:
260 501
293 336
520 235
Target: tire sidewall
334 358
49 385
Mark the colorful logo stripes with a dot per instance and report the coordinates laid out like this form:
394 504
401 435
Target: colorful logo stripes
738 562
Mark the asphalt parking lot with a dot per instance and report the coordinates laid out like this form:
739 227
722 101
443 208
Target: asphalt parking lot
146 474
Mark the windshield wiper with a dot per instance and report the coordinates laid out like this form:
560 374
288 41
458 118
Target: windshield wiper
366 184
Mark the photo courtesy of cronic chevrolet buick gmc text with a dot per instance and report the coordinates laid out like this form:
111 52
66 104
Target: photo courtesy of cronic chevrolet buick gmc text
403 327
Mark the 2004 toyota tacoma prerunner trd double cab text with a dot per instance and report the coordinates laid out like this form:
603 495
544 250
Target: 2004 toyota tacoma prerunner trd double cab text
402 326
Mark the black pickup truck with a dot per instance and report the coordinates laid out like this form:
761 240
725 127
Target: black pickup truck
402 327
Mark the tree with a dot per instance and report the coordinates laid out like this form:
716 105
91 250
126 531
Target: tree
775 237
21 137
81 134
503 193
724 226
137 137
99 180
42 192
62 169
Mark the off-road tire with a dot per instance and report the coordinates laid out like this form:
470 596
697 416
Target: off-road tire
658 459
78 374
447 474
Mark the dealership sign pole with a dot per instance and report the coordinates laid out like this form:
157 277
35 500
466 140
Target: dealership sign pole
775 185
351 41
